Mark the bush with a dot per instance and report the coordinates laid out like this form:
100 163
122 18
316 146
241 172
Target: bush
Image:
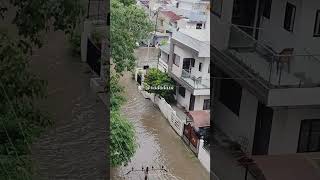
156 78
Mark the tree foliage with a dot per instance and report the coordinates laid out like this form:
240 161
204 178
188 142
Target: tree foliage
34 17
116 93
20 119
160 83
123 143
129 25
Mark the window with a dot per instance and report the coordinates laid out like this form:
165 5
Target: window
168 59
145 67
289 17
176 60
267 8
177 5
206 104
209 69
199 26
309 140
230 94
217 7
200 67
182 91
316 32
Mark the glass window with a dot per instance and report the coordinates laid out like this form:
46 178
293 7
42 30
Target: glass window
206 104
182 91
289 17
217 7
316 32
267 8
309 140
176 60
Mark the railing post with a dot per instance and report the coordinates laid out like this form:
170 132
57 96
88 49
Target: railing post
271 67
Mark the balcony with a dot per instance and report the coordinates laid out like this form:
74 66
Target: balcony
273 77
286 69
195 82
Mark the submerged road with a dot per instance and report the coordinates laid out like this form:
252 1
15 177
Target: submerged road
159 145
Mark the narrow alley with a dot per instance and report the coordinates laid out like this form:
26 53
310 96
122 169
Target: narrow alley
75 147
158 143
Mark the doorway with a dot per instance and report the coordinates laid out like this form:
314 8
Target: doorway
192 99
244 14
262 130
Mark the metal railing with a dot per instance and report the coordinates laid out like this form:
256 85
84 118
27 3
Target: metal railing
278 70
195 82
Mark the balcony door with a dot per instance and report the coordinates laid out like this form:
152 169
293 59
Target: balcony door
262 130
244 14
188 63
309 140
191 105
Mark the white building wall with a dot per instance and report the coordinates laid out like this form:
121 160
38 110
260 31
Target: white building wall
183 101
199 100
183 54
221 25
204 156
286 129
240 126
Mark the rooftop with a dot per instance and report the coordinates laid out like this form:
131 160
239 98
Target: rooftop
200 118
197 39
165 48
171 15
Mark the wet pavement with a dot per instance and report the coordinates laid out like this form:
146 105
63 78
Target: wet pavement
159 145
75 147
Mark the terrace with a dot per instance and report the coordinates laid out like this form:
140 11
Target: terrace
286 69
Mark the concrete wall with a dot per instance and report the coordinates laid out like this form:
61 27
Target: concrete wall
220 25
199 100
240 126
183 54
286 129
183 101
204 156
302 96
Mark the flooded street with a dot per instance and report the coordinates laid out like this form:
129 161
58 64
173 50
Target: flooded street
158 144
75 147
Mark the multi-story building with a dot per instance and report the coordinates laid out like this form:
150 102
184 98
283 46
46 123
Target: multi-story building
267 55
187 60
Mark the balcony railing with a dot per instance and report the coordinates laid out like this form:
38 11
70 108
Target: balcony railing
195 82
278 70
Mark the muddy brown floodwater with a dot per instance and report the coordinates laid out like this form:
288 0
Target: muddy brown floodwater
158 144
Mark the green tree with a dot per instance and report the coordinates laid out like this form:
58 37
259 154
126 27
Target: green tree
34 17
116 93
122 143
160 83
129 25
